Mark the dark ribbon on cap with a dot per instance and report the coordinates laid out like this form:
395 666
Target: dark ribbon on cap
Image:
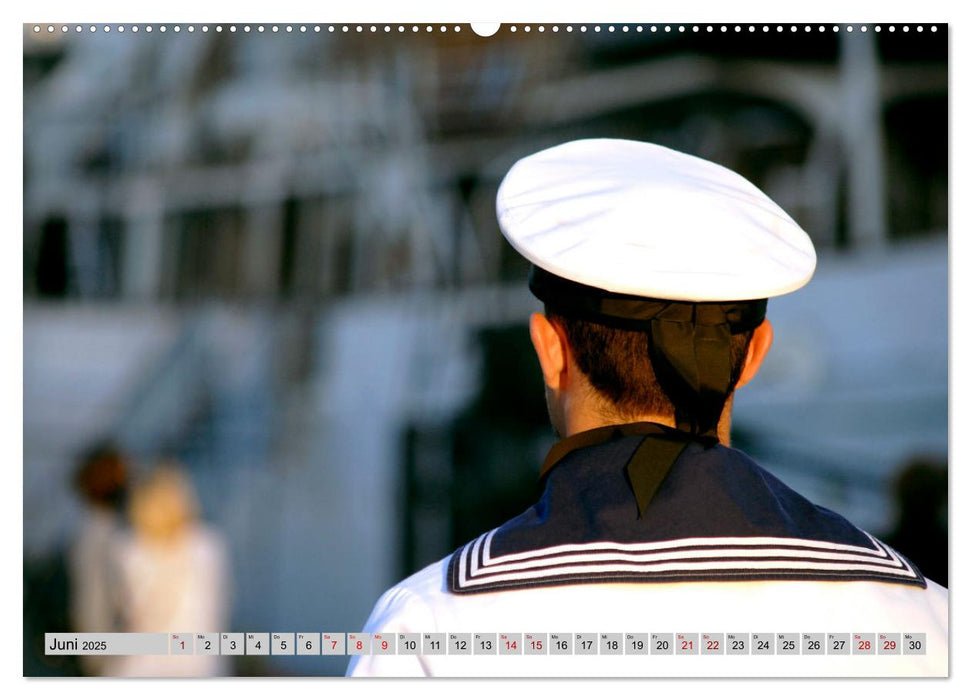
690 342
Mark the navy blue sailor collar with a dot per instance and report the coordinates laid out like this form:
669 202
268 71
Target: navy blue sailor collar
715 515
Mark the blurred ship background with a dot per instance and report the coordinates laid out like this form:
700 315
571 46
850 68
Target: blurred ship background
274 256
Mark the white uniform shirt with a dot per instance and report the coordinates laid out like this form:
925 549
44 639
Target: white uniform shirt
422 603
722 547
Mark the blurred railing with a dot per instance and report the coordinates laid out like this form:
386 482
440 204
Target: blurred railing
163 404
211 400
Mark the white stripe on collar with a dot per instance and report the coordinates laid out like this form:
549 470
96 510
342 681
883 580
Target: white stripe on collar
699 558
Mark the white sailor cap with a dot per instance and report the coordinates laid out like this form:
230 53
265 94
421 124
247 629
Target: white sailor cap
640 219
641 237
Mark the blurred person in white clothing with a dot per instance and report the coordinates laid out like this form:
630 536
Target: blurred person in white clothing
174 575
101 480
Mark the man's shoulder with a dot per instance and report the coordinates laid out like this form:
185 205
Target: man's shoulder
408 605
426 582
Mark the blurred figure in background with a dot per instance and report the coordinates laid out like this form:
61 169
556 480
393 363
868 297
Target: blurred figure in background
101 480
174 575
920 534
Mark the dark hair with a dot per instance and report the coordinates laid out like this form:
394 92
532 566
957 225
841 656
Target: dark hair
102 475
618 364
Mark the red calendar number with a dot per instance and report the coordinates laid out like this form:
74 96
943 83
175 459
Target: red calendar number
359 645
384 646
687 644
864 645
712 645
889 645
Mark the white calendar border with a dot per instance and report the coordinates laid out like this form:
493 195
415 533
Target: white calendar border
707 11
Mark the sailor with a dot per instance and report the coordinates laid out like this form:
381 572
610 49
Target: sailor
655 268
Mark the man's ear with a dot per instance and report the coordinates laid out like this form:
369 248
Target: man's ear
758 347
550 346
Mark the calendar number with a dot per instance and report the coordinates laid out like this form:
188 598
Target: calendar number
351 643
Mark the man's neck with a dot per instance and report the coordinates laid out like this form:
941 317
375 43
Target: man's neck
590 421
578 421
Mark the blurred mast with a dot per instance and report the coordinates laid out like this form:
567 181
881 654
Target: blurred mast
866 215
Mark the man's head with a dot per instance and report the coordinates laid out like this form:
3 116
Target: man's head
596 373
655 268
102 476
